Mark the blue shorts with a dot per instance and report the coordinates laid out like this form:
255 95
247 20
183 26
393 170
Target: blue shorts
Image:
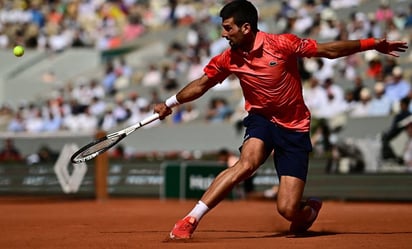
291 148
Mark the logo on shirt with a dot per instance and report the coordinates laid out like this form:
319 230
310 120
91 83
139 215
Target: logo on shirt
272 63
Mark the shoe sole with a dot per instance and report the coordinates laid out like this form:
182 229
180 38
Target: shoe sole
174 237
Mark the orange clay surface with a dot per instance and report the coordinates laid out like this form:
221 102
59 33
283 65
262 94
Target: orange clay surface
145 223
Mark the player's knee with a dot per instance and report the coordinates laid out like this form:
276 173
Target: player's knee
287 211
244 170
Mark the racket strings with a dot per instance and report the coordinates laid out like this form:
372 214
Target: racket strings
99 146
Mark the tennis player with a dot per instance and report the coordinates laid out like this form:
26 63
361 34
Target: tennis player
278 119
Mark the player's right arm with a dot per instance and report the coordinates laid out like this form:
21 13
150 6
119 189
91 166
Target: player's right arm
338 49
190 92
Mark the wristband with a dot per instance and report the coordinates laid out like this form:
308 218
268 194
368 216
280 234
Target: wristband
172 101
367 44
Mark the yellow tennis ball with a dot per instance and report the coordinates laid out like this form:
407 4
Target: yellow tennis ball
18 51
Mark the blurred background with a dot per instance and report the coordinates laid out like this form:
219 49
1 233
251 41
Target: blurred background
97 66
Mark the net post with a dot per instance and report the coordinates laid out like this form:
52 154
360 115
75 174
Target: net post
101 165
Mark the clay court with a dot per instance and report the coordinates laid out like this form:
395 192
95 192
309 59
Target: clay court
41 222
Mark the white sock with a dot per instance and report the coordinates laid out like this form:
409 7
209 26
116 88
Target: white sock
199 210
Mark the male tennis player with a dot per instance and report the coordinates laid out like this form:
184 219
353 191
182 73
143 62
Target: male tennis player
266 65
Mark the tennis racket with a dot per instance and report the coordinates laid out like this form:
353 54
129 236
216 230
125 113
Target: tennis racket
101 145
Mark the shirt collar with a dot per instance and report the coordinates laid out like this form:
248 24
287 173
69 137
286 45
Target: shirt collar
258 43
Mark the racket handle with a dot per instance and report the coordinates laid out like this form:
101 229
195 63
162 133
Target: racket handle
149 119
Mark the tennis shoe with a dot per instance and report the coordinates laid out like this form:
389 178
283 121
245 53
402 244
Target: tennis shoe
303 226
184 228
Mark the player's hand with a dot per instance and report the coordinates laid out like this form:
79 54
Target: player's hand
391 47
163 110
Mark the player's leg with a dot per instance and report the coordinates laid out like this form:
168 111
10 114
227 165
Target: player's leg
290 205
289 197
253 154
291 158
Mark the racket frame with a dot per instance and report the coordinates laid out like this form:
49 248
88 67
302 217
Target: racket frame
120 134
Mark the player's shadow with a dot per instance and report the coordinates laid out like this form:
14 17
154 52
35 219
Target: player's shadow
262 234
287 234
236 234
309 234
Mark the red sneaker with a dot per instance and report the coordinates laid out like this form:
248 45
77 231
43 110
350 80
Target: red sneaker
184 228
299 226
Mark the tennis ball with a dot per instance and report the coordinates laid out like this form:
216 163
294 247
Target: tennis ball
18 51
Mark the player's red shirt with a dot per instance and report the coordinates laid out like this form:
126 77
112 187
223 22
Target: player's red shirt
269 77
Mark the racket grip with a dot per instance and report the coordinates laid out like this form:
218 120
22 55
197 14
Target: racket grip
149 119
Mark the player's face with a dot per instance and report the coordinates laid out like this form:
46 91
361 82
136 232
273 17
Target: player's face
233 33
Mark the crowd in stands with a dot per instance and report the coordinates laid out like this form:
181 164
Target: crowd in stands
364 84
58 25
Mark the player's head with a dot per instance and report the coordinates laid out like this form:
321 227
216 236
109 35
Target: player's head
239 19
242 12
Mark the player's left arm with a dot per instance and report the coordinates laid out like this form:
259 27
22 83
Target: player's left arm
337 49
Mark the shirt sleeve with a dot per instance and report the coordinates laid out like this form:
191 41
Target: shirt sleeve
217 69
302 47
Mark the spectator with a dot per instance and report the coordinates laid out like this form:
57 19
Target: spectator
135 102
35 124
17 123
357 88
59 40
384 12
394 130
408 21
218 110
397 87
407 153
97 107
123 75
334 108
334 89
6 115
392 32
380 105
10 153
134 27
321 137
177 115
97 89
154 98
108 121
329 28
323 70
109 79
52 122
169 76
388 66
189 113
86 121
4 40
362 107
195 68
153 77
120 111
359 26
375 67
44 155
83 93
315 96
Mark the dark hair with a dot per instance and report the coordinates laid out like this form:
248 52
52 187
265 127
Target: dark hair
242 12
